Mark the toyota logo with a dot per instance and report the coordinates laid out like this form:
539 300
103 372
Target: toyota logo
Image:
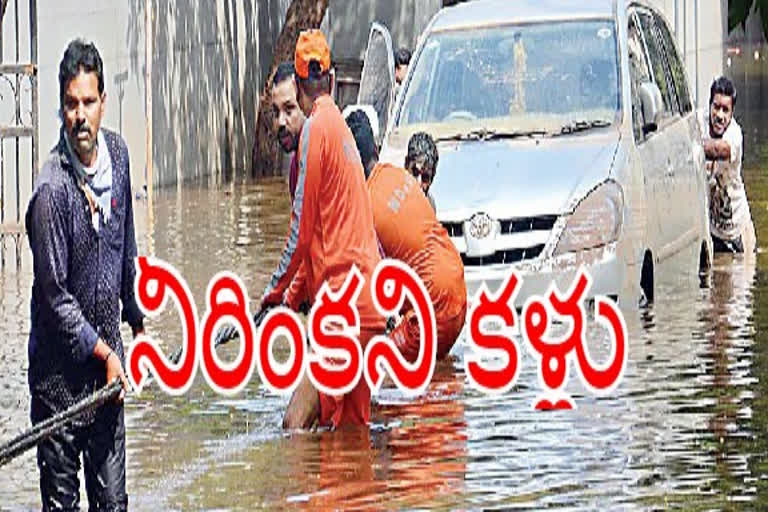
480 226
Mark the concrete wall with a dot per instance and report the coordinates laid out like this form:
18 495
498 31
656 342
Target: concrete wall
206 77
205 85
210 61
747 65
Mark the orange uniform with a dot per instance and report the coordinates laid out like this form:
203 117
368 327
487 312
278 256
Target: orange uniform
409 231
331 229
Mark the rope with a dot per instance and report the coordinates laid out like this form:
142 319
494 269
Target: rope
45 429
223 336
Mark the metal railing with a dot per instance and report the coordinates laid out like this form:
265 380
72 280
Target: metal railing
16 80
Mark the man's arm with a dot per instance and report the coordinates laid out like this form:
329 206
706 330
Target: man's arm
131 312
303 216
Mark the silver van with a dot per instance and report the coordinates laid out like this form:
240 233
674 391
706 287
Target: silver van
566 136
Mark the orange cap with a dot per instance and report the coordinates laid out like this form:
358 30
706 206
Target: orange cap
312 46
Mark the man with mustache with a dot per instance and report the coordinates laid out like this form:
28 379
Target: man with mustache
81 233
288 116
730 220
289 119
331 229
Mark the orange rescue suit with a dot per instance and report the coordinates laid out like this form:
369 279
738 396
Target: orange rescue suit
331 229
409 231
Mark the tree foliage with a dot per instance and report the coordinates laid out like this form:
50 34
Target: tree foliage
739 11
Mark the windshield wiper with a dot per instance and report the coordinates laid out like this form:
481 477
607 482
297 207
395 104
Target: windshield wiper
580 126
486 134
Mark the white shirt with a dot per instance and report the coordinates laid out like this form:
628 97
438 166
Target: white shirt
728 207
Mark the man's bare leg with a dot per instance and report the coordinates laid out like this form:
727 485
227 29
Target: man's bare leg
304 408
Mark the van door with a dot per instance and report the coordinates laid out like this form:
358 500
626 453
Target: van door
646 144
377 82
665 148
691 153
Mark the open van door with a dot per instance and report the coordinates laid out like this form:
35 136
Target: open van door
377 82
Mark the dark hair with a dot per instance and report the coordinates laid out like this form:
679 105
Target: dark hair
422 144
360 126
402 57
283 72
317 83
78 56
722 85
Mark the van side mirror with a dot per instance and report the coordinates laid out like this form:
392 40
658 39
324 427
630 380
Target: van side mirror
652 103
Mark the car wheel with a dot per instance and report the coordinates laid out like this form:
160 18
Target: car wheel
646 280
705 265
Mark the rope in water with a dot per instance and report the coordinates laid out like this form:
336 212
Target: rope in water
43 430
224 335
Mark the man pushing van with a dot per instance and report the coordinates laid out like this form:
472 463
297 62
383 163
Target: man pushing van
730 219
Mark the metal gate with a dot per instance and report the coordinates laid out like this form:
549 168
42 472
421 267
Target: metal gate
19 127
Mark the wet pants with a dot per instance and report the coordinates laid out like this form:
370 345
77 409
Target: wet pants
102 445
727 246
354 408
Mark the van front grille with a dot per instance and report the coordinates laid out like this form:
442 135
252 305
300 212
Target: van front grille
502 257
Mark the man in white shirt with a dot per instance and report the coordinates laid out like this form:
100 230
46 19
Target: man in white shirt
730 220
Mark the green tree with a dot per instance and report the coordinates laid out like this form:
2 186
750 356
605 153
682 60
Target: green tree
739 11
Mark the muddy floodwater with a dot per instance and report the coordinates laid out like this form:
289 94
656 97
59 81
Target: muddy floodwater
687 428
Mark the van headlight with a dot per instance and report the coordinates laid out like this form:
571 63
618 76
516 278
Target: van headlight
595 222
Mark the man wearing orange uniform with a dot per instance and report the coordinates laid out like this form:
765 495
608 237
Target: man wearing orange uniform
331 228
409 231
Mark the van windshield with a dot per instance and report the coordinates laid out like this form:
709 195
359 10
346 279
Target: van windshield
540 76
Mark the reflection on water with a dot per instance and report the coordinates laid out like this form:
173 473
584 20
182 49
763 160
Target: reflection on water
687 428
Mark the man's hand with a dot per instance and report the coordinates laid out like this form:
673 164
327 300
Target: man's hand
229 332
717 149
137 330
304 308
115 371
304 408
113 366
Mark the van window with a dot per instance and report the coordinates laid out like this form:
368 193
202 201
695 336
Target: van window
638 74
676 66
659 65
532 76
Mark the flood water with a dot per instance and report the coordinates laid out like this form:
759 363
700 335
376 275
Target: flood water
687 428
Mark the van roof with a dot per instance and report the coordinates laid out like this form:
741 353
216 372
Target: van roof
498 12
